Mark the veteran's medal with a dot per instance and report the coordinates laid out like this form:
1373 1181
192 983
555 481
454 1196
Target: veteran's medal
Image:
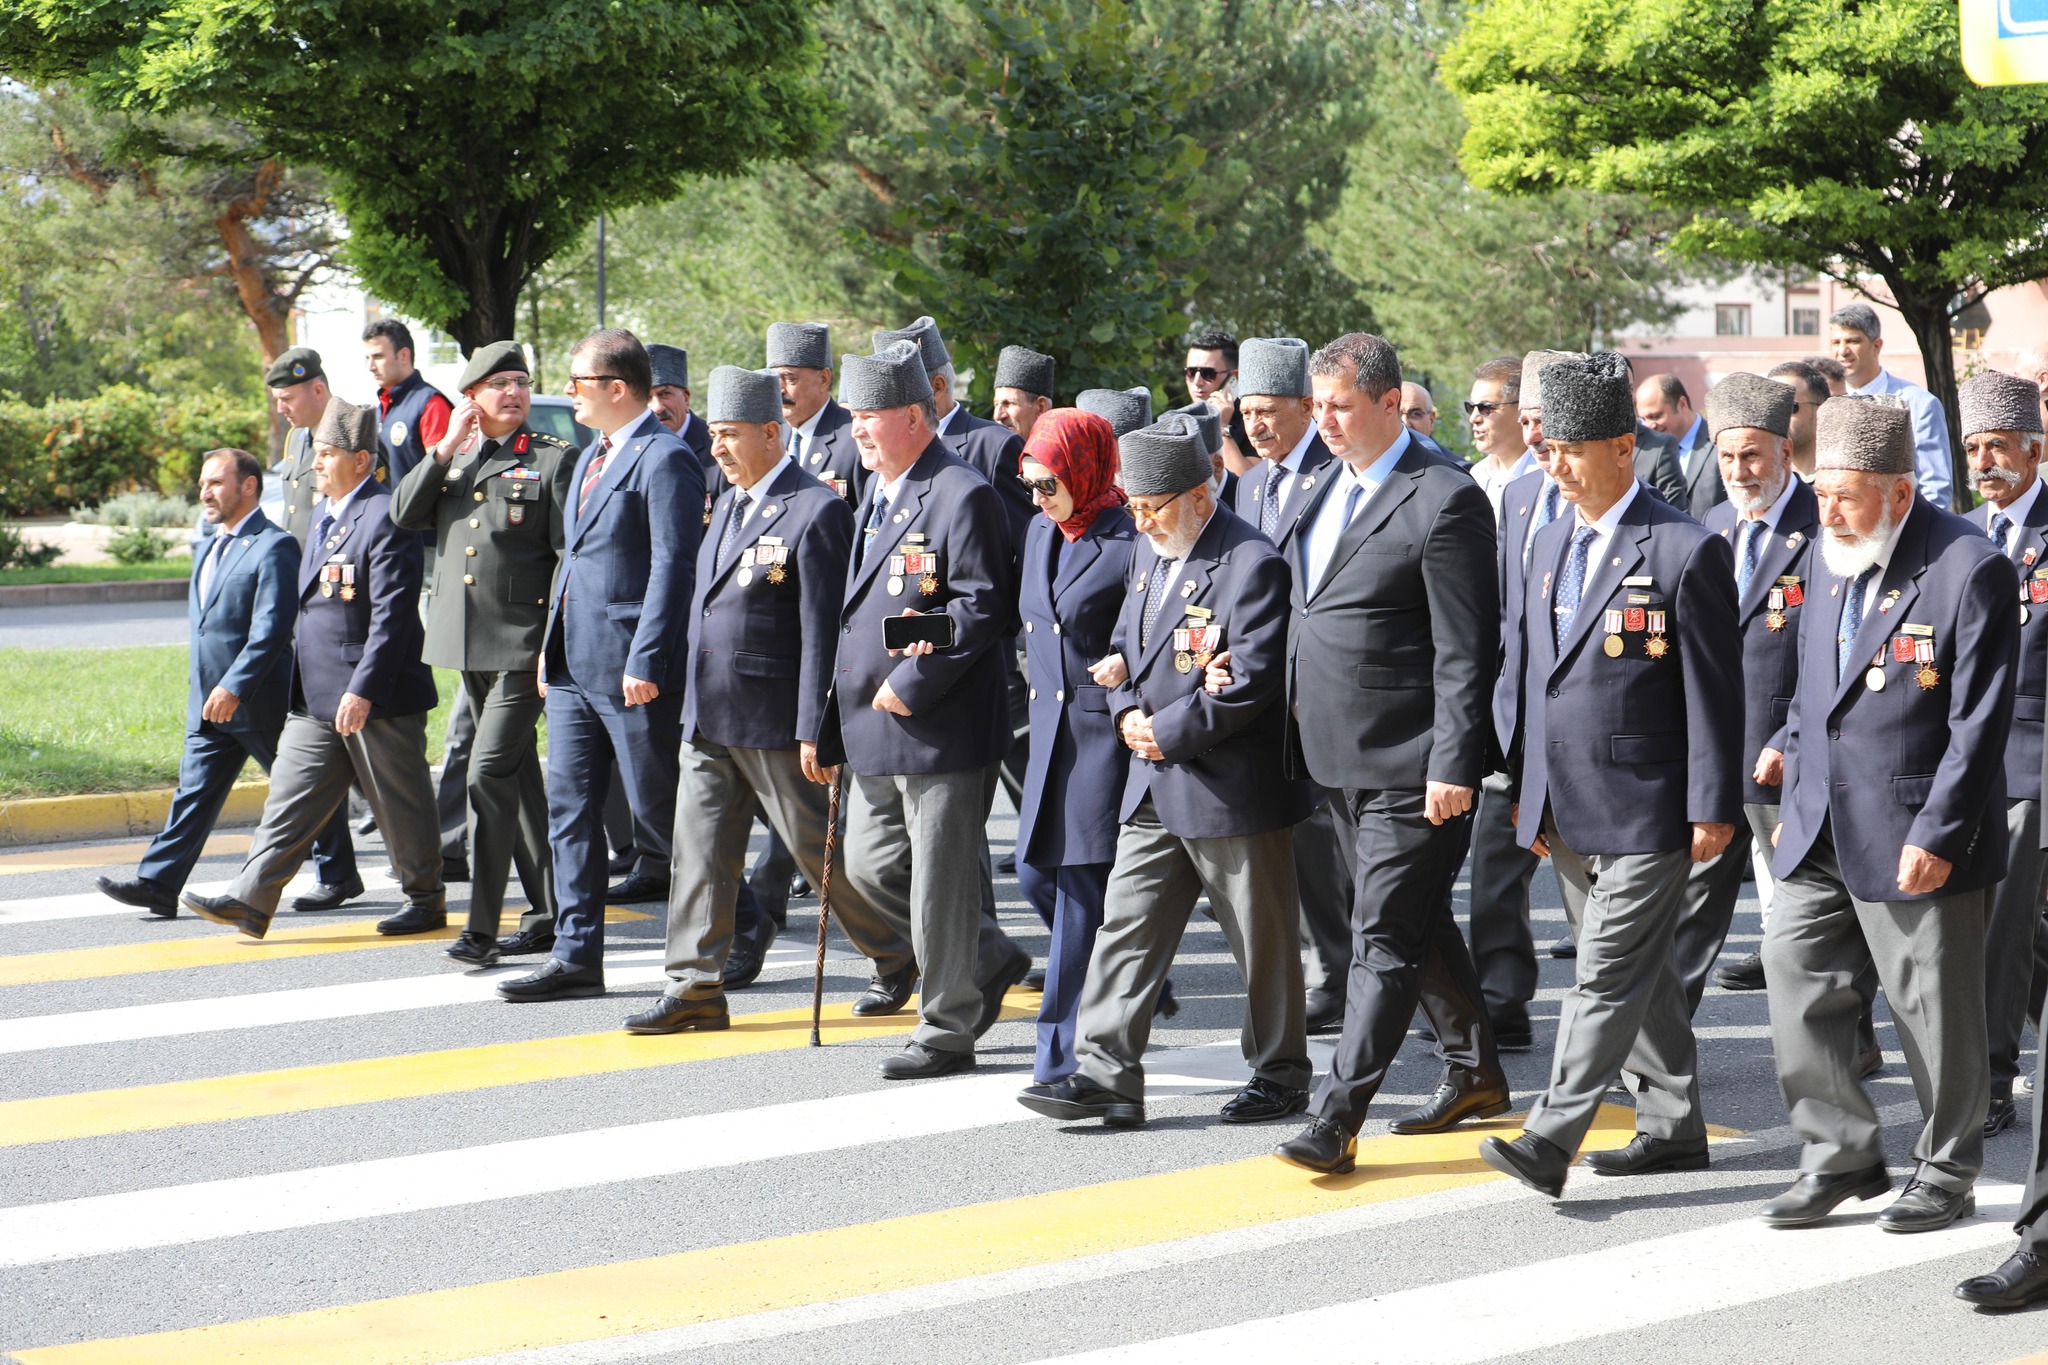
745 573
348 582
1183 651
1926 675
1775 618
1656 646
1611 646
775 555
895 583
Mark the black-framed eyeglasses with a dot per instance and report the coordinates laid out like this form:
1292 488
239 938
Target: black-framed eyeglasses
1152 513
1045 487
577 379
1482 409
1208 374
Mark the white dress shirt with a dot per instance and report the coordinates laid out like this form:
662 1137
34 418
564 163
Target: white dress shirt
1331 522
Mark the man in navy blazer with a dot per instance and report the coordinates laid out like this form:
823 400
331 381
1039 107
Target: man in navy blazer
612 654
1207 806
923 729
359 696
1894 823
989 447
241 611
820 430
1625 768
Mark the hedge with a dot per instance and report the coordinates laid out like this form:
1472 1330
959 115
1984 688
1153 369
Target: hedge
75 452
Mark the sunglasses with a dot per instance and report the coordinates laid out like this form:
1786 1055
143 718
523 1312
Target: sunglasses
1208 374
1484 409
1045 487
576 381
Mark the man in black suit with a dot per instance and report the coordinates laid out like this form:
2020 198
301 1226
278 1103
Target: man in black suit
992 449
359 696
1663 405
669 399
1023 389
820 430
1626 758
1391 659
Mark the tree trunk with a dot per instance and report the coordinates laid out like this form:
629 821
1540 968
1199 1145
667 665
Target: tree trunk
1928 316
261 299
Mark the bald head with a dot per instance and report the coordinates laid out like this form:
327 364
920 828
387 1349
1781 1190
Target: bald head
1418 409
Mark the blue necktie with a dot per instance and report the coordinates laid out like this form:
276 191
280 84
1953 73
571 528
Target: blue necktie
1852 621
1752 546
1572 585
740 503
2001 526
1269 502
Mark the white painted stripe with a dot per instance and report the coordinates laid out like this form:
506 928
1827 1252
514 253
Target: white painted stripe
92 905
130 1023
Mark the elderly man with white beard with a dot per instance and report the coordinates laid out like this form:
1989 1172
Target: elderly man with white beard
1894 824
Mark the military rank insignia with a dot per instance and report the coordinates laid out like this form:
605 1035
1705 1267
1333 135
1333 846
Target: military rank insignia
1197 640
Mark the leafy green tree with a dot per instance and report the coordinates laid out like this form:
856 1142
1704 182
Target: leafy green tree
464 144
1840 136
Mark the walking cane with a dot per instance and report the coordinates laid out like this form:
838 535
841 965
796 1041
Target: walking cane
824 908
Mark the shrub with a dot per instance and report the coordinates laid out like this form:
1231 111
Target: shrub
138 545
79 452
139 509
17 553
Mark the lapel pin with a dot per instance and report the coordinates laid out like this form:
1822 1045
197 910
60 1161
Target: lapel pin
1308 483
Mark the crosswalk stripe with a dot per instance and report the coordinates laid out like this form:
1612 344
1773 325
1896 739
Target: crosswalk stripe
224 949
105 855
631 1297
94 905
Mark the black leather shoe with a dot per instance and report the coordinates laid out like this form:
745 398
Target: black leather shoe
1512 1032
454 869
326 897
1922 1207
527 941
1537 1162
1868 1064
1034 980
1006 866
1071 1099
992 994
1262 1099
556 980
638 888
1648 1155
229 911
1743 974
366 826
1323 1147
622 865
474 950
743 963
1458 1097
1325 1011
676 1014
414 919
2021 1282
142 894
2002 1115
1564 948
887 994
1168 1004
798 887
1814 1197
917 1061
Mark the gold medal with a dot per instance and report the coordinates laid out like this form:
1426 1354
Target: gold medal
348 592
776 573
895 586
1775 621
327 589
1656 647
929 584
1926 677
1874 679
743 577
1184 661
1612 647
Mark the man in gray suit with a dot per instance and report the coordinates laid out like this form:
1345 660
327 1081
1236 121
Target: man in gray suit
1663 405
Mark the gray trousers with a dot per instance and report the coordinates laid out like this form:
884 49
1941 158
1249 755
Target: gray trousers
2009 945
1763 822
1503 945
2033 1220
717 793
451 788
506 801
387 758
917 851
1711 890
1153 887
1930 957
1324 877
1625 1010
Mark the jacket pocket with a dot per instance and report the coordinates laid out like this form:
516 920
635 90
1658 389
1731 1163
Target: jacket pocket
351 652
1089 697
622 611
1781 711
1668 747
526 588
1913 791
765 665
2025 707
1382 675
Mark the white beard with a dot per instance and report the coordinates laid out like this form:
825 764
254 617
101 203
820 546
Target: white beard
1756 498
1849 556
1178 544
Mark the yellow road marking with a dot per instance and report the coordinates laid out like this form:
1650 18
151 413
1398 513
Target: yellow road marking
105 855
216 950
178 1104
605 1301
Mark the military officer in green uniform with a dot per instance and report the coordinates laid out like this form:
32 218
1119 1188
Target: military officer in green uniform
493 494
298 387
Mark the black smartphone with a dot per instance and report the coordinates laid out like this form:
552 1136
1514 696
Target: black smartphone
899 632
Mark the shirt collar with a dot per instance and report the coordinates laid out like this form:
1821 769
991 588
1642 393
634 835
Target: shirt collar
767 481
627 432
809 429
1611 518
1881 382
1490 476
1371 476
232 531
1776 511
946 422
1292 460
335 509
1695 435
2017 513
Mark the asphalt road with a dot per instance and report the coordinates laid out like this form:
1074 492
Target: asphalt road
93 624
330 1147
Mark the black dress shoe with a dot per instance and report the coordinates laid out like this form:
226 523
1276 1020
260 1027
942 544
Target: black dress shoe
1071 1099
1537 1162
638 888
2021 1282
622 865
798 887
1324 1011
366 826
1323 1147
1168 1004
326 897
1006 866
142 894
1868 1064
2002 1115
1743 974
887 994
1922 1207
229 911
677 1014
454 869
1564 948
1814 1197
1458 1097
1648 1155
743 964
474 950
414 919
527 941
916 1062
1034 980
1262 1099
992 994
556 980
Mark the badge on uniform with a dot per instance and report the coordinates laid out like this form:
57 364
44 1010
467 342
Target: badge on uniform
836 485
1926 674
1775 618
1891 599
1612 645
1196 641
1795 592
769 554
1656 646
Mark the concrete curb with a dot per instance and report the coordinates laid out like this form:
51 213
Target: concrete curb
87 594
112 815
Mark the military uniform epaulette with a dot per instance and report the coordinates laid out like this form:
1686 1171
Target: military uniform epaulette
543 438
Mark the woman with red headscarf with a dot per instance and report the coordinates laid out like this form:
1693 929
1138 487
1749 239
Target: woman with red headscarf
1077 558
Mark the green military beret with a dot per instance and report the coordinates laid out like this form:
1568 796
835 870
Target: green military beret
486 361
295 366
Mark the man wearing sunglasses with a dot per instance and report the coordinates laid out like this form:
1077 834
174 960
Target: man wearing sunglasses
1211 375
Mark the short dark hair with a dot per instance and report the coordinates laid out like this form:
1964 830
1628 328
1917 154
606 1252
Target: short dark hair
393 331
617 352
1670 388
247 466
1505 371
1808 376
1857 317
1830 369
1216 341
1374 367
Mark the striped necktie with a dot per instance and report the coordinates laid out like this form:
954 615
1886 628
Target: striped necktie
596 472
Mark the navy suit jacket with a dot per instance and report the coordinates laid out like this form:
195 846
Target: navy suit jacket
1394 651
2030 679
1907 765
834 456
995 450
1519 505
367 642
1301 487
1074 786
958 716
1770 658
242 631
1657 465
1223 772
1704 490
1629 753
760 665
622 590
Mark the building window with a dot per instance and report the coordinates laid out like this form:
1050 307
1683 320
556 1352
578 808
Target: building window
1806 322
1731 319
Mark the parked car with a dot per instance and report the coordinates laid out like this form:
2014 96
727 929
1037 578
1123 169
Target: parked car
553 414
